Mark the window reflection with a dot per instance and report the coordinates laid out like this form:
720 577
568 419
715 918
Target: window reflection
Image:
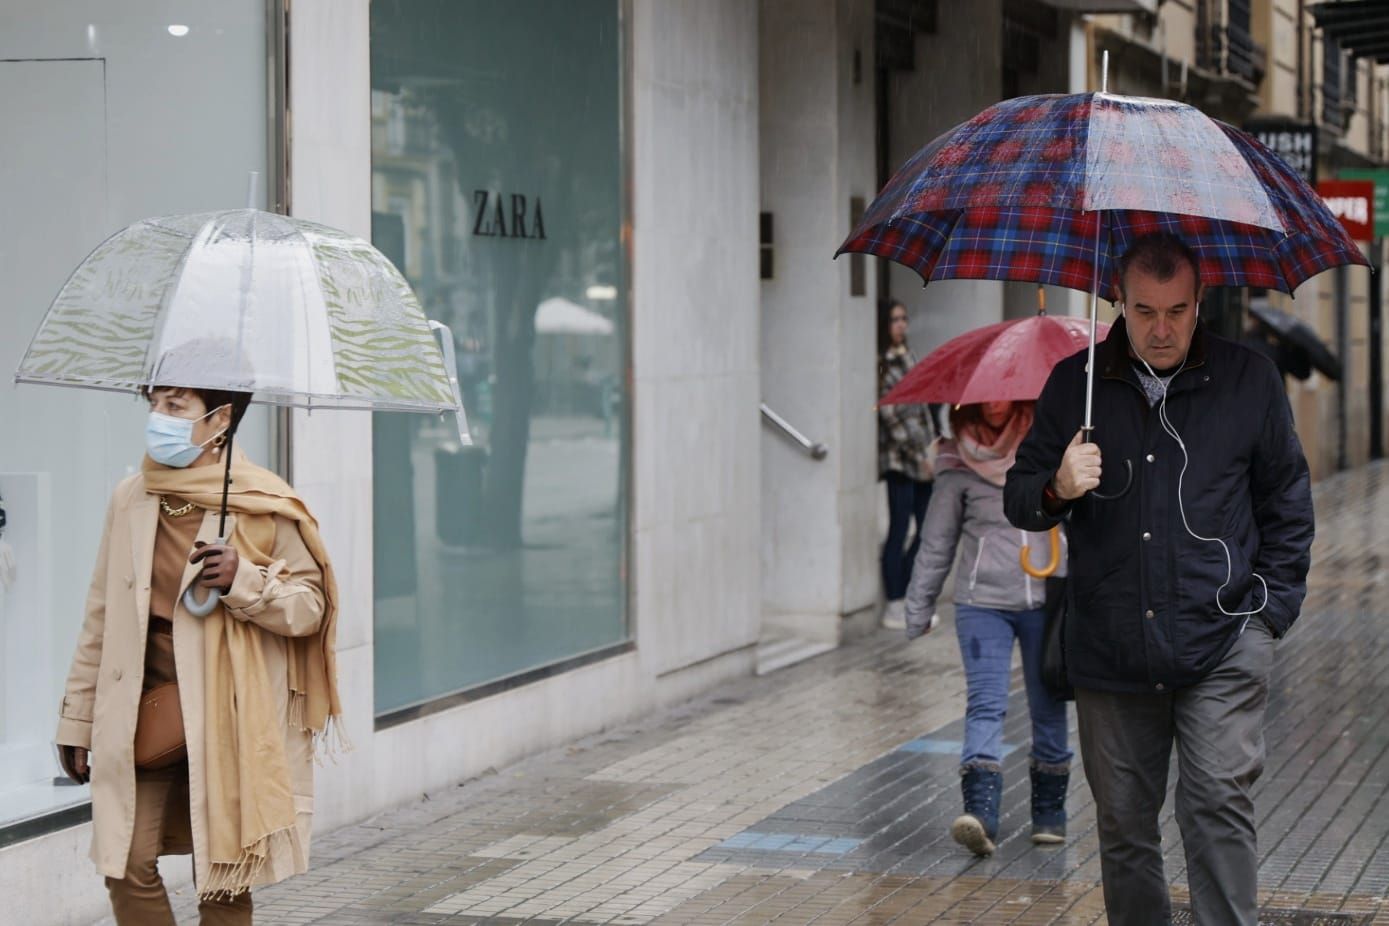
496 188
190 118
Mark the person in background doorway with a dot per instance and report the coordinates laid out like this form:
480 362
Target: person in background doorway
996 603
905 433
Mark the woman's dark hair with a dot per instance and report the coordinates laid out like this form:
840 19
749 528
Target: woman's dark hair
212 399
192 360
963 416
885 307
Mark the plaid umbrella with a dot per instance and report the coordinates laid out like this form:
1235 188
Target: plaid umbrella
1052 189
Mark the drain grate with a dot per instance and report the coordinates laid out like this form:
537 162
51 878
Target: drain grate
1181 916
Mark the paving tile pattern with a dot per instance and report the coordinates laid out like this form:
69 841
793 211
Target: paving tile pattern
823 793
1182 916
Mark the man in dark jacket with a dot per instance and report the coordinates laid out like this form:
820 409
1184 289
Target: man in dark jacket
1178 585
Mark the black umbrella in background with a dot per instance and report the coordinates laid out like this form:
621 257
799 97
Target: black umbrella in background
1297 334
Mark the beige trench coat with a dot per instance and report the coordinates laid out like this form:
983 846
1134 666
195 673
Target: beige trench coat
103 690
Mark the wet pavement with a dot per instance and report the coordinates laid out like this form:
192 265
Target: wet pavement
823 794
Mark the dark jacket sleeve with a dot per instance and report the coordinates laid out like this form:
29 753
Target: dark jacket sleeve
1282 494
1039 456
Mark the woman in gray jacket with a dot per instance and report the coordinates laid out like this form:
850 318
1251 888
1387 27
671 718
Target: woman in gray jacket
996 603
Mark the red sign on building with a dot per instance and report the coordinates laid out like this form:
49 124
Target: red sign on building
1353 203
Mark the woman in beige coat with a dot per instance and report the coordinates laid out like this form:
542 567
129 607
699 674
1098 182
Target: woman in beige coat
255 677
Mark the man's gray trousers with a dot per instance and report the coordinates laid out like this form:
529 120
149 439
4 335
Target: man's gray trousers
1126 744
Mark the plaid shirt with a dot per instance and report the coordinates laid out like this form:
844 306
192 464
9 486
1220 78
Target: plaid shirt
904 431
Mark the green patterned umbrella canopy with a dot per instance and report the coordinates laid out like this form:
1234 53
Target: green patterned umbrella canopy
297 313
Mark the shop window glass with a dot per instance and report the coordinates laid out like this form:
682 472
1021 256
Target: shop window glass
497 189
110 116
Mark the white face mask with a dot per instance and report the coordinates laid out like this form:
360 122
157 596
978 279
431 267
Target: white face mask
169 440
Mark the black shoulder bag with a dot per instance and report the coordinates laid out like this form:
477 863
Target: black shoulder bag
1054 674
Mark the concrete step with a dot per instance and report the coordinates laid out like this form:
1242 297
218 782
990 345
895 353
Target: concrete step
778 653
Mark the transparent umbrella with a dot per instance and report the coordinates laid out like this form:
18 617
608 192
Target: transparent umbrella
296 313
309 316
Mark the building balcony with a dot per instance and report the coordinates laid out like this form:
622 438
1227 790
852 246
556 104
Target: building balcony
1106 6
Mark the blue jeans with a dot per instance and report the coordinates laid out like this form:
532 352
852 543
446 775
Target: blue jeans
907 499
986 646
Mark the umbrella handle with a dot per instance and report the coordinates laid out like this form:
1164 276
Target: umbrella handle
1128 484
465 437
202 608
1087 430
1025 555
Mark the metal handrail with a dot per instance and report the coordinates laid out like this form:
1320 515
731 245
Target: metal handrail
813 449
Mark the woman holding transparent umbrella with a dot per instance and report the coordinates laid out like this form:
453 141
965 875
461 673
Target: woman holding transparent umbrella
248 678
198 314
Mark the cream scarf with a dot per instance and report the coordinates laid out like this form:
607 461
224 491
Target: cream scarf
249 795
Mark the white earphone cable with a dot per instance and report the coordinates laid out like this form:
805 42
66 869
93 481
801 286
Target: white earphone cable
1171 431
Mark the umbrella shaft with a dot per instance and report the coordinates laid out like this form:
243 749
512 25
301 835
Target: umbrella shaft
1094 330
226 485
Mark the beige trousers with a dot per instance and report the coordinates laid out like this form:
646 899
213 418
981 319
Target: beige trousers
161 810
139 899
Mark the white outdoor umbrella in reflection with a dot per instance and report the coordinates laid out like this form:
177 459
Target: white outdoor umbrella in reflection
296 313
560 316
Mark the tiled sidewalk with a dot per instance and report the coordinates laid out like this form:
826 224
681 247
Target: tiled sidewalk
823 793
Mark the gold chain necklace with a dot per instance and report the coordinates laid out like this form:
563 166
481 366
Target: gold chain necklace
172 511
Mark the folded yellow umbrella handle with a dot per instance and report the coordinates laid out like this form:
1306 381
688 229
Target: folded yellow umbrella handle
1050 568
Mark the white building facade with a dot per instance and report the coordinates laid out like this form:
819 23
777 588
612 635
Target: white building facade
626 211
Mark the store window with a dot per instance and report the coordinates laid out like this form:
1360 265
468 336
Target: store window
111 113
497 188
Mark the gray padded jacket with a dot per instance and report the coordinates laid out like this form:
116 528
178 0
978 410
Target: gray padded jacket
966 515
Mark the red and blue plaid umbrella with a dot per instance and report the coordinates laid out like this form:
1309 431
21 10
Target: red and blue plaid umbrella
1052 189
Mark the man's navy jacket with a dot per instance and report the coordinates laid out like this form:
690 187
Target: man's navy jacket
1143 614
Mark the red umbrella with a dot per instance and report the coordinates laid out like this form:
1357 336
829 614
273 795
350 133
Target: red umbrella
1006 362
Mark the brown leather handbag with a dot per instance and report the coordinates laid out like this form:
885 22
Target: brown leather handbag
159 740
